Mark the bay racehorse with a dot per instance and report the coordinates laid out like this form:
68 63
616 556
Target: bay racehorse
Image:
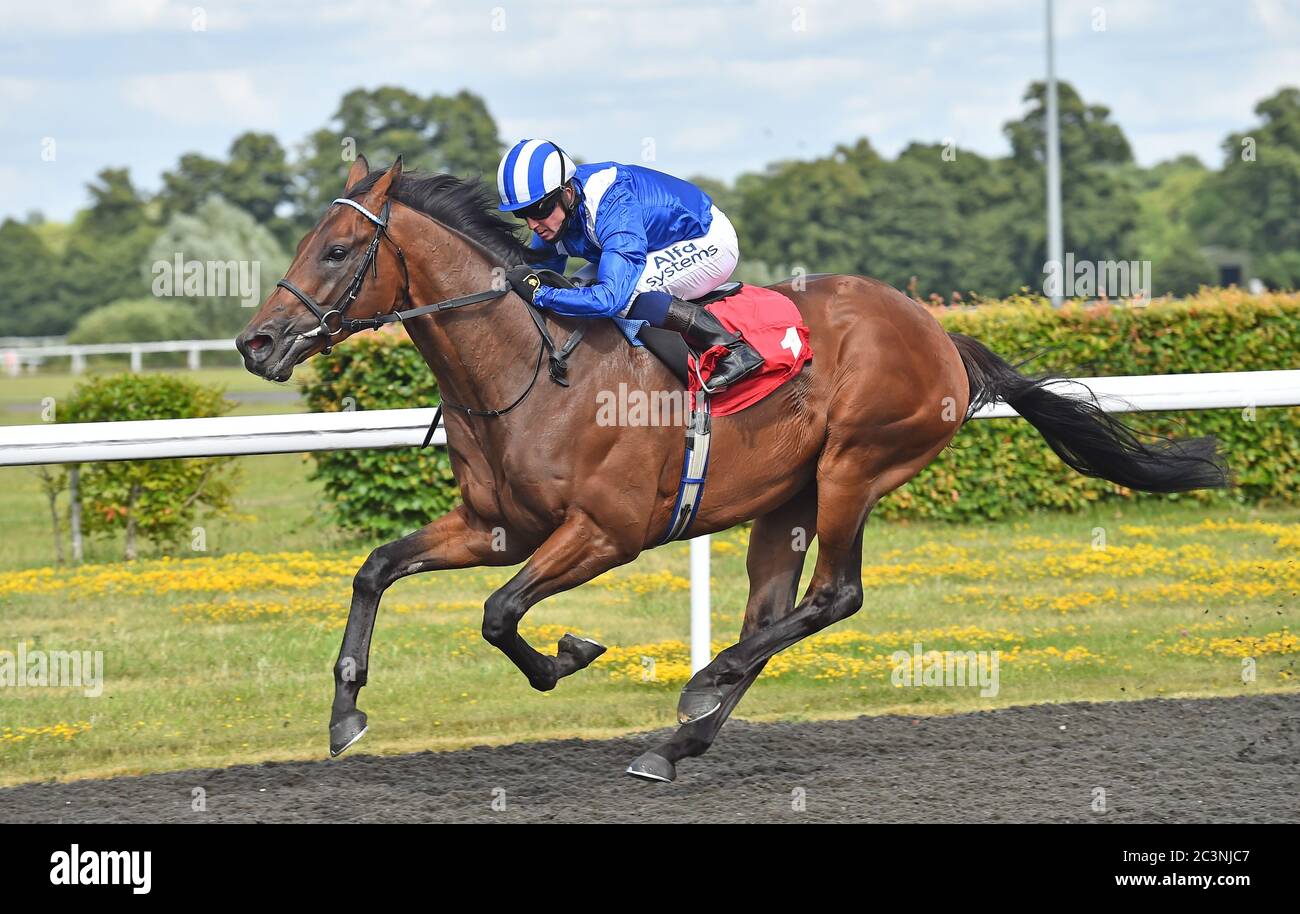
885 392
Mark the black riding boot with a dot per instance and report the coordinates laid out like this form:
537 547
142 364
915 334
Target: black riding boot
702 330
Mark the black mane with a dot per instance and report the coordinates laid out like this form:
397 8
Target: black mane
464 204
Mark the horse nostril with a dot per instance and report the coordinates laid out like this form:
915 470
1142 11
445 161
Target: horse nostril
256 347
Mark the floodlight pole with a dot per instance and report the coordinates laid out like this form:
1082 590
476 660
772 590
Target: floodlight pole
1055 254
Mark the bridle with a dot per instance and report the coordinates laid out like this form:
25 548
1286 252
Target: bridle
370 262
338 312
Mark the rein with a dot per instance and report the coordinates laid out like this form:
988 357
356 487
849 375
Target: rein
338 312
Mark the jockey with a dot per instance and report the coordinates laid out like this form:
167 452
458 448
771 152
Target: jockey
652 240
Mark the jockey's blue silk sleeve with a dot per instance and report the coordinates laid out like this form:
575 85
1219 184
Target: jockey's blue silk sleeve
556 261
620 232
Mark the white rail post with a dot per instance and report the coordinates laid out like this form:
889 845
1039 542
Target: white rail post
137 360
194 358
701 652
78 362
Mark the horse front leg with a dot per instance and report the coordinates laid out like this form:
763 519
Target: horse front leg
455 540
578 550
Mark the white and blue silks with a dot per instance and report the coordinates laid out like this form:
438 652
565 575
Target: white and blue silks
623 213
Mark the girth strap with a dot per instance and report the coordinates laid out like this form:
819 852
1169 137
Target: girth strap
695 470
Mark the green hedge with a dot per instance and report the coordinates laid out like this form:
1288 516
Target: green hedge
159 499
386 493
997 467
993 468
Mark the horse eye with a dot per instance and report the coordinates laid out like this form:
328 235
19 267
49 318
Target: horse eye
336 253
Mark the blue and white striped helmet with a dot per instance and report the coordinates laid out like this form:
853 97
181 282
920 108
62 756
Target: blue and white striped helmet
531 170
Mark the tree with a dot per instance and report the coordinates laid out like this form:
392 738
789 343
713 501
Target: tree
809 215
1087 134
98 269
466 140
1280 270
27 268
1253 203
932 220
193 180
116 207
1099 202
1166 194
1178 267
455 135
105 249
135 320
216 233
156 499
256 178
941 216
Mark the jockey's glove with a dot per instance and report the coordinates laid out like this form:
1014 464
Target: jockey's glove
524 280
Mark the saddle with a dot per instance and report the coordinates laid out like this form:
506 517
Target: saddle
773 325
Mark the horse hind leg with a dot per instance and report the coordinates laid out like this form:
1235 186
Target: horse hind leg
852 476
844 499
778 544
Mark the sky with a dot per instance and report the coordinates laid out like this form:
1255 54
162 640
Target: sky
716 87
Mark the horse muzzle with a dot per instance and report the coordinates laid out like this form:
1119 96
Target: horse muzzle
272 350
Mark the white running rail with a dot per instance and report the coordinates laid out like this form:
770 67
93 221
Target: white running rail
23 445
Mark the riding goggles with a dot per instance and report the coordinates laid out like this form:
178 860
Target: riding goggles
542 208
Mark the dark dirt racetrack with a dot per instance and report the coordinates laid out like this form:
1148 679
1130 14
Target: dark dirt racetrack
1194 760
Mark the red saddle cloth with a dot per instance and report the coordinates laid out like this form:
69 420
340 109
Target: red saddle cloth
771 324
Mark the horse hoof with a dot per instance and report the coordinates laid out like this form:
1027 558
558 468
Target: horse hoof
697 704
651 766
346 730
582 650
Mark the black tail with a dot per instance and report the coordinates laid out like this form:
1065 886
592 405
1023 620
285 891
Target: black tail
1085 437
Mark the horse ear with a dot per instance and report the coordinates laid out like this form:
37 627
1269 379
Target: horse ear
382 186
360 168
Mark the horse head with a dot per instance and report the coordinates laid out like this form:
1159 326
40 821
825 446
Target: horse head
335 276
